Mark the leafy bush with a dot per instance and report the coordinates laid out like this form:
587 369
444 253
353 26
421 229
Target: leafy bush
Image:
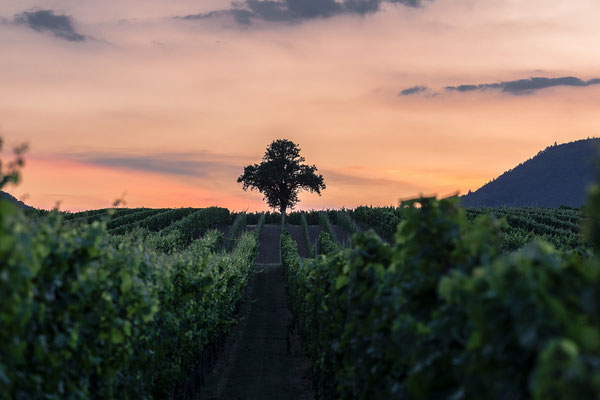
383 220
326 243
523 311
84 318
132 217
443 314
198 303
87 217
196 224
561 228
158 222
73 311
211 242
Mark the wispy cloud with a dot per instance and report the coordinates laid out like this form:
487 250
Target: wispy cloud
61 26
526 86
343 178
516 87
210 166
244 12
413 90
201 165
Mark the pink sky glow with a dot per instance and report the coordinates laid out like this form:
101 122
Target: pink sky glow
129 100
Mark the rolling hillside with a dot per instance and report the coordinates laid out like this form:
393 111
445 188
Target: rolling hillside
11 198
556 176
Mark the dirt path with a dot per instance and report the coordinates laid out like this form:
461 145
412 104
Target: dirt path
263 358
268 246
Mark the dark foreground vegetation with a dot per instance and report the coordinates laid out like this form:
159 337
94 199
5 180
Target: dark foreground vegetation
447 312
427 301
85 314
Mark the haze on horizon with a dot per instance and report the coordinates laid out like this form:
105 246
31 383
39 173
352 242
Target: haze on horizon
167 101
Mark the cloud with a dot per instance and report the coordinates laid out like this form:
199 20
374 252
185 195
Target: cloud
244 12
60 26
202 165
413 90
526 86
342 178
212 167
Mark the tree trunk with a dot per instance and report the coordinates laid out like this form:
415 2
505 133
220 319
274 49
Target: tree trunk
282 210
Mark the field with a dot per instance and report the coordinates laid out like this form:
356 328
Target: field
431 171
422 301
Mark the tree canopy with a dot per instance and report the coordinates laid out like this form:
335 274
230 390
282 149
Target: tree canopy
282 175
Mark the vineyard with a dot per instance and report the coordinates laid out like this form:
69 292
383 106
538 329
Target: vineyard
87 314
426 300
446 311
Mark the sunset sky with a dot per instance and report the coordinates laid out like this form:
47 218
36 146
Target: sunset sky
163 102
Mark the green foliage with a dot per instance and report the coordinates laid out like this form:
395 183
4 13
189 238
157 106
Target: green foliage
239 224
384 220
444 314
326 244
68 325
83 318
294 218
269 217
312 217
561 227
197 304
103 214
196 224
326 225
530 314
158 222
84 315
346 222
165 241
132 217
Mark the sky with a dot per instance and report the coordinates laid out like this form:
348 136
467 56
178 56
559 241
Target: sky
162 103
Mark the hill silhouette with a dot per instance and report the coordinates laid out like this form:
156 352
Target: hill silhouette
556 176
11 198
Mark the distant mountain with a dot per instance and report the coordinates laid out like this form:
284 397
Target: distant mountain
11 198
556 176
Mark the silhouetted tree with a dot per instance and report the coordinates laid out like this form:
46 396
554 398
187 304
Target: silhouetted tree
281 175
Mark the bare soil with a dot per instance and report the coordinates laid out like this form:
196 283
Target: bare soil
313 232
343 237
268 246
297 233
